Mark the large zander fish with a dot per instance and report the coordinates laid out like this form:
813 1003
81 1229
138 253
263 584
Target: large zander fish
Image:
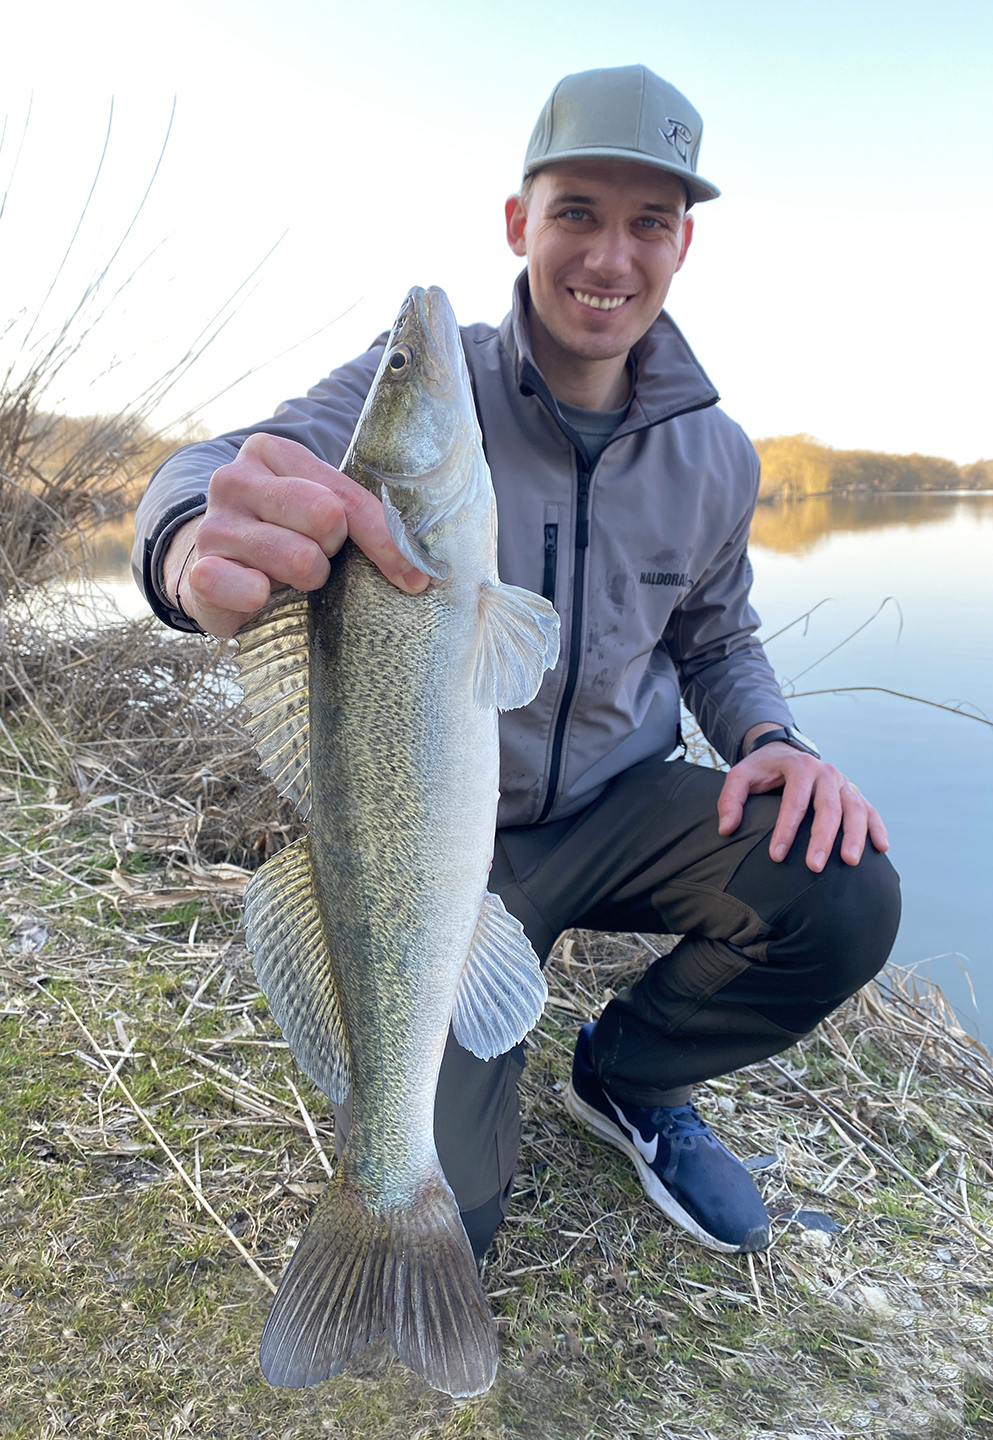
376 713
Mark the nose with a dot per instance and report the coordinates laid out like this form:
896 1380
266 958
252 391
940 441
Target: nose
609 253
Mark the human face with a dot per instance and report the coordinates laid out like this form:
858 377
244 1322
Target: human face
603 239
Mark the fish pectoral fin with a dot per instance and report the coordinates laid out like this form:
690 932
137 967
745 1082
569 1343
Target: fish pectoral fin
274 661
518 642
502 991
410 547
284 932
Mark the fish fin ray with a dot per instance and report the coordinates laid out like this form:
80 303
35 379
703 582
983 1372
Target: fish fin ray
410 548
502 991
358 1274
518 642
274 663
283 930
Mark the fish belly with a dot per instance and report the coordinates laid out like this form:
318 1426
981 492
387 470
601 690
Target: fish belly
405 794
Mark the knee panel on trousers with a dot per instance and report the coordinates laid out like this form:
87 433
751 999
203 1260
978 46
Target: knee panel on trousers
828 940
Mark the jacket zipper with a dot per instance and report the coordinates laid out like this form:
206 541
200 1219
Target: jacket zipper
534 384
551 558
576 632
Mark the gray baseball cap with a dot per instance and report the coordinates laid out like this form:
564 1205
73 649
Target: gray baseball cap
627 113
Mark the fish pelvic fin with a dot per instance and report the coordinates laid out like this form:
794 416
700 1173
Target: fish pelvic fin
274 661
284 931
502 991
359 1273
518 642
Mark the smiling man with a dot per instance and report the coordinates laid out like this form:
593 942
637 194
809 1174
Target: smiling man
603 239
625 497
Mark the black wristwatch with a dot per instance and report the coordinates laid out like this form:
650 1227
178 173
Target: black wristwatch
791 737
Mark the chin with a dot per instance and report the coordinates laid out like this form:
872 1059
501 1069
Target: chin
597 347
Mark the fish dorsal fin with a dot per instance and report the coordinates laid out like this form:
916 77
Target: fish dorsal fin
410 548
502 991
284 932
518 642
274 661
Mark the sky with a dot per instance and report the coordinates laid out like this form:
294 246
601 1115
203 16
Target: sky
323 157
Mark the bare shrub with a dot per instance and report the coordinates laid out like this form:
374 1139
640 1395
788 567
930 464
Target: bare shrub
147 712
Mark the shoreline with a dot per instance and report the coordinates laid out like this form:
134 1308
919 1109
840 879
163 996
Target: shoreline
794 497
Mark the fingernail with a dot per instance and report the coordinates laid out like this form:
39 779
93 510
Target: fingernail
416 581
819 860
779 852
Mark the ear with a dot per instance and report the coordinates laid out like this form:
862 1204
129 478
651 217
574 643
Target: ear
686 239
517 218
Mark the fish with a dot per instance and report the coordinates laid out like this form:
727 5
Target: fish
376 713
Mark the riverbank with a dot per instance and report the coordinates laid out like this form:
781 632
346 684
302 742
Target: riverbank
127 832
794 466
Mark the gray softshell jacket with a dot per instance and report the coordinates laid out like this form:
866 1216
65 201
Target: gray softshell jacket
644 554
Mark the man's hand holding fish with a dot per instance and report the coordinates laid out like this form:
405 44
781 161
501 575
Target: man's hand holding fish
274 516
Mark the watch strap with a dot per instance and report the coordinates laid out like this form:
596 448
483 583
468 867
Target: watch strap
789 736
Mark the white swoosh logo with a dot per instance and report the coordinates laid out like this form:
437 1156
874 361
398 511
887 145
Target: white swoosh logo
648 1148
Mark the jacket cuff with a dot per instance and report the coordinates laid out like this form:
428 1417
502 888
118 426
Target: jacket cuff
153 558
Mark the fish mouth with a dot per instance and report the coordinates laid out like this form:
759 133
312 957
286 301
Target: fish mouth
435 411
427 324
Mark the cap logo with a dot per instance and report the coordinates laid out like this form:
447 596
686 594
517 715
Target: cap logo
678 136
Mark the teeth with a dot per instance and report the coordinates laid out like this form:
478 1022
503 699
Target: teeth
596 303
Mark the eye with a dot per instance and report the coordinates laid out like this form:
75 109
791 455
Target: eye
399 358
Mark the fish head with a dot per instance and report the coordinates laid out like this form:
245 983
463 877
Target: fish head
417 438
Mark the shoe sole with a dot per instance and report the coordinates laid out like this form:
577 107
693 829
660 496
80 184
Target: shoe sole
651 1184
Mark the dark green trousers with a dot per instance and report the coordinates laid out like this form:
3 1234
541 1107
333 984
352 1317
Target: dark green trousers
767 951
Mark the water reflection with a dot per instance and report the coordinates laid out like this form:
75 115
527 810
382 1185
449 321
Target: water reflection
795 527
106 554
930 773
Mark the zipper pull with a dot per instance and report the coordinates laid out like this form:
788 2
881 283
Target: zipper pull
551 557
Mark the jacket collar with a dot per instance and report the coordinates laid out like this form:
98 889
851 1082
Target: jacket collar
669 379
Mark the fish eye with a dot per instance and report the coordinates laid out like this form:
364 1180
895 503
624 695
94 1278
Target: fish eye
399 358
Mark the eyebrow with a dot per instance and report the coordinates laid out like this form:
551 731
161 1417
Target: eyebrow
652 205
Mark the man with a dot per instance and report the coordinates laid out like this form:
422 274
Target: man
624 496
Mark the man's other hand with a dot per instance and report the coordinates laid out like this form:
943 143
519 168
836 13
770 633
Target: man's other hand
273 517
837 803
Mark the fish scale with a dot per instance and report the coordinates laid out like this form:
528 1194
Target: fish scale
376 712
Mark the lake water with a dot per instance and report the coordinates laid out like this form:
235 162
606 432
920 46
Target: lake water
930 773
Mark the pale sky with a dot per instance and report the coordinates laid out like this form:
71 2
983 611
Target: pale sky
841 285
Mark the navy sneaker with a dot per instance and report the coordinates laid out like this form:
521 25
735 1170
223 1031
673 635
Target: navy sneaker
683 1167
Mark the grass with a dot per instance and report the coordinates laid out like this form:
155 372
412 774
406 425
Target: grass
126 1311
160 1152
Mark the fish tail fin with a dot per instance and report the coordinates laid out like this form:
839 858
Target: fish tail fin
359 1273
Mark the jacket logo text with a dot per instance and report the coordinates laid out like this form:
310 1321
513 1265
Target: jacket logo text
664 577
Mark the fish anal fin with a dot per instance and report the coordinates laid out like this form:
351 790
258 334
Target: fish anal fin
274 663
359 1273
518 642
284 932
502 991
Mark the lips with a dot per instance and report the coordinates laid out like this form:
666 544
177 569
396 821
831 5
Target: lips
599 302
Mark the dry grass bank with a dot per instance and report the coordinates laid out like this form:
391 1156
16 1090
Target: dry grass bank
131 812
